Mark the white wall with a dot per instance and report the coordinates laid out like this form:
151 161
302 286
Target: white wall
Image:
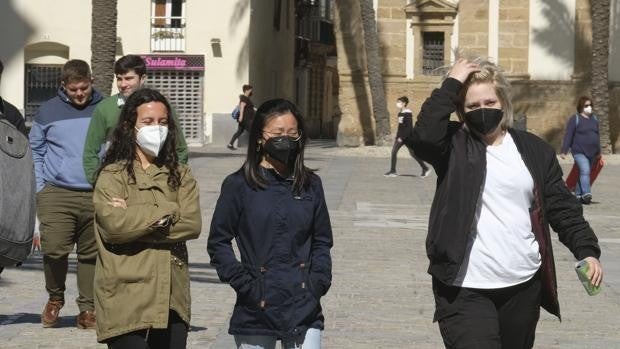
26 22
552 40
206 20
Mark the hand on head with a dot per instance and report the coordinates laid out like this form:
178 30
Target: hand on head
462 69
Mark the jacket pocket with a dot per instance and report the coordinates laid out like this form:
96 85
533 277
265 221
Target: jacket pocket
309 283
252 294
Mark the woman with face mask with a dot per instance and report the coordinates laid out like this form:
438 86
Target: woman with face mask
274 207
403 135
146 207
583 141
498 190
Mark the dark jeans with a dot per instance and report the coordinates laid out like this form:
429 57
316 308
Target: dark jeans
174 337
396 147
502 318
240 130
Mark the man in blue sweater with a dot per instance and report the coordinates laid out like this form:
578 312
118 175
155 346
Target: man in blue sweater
64 196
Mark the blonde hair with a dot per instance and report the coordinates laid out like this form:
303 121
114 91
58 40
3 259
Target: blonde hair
489 73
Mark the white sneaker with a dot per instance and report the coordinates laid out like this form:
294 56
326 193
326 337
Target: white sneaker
425 172
391 174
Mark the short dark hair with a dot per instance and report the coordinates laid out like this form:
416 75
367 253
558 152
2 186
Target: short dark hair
130 62
1 67
251 167
75 70
404 99
582 102
247 87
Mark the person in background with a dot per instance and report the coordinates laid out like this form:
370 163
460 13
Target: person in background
130 73
498 190
146 207
583 141
274 207
64 196
246 114
403 135
9 112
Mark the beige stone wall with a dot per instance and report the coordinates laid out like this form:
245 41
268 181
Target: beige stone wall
549 104
514 36
474 26
546 104
391 26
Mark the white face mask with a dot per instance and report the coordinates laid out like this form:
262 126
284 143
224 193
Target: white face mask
151 138
588 109
399 105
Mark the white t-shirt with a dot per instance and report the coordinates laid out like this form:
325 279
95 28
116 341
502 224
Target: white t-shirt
502 250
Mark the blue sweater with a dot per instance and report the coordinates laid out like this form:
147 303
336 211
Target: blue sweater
57 140
582 136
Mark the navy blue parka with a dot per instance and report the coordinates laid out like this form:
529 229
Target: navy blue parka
284 241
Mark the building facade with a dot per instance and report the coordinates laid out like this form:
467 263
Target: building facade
544 46
198 53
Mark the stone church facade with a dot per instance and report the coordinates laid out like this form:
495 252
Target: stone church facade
544 47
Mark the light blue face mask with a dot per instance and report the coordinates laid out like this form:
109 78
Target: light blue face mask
151 138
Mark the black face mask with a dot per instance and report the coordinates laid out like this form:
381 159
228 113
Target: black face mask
483 120
283 148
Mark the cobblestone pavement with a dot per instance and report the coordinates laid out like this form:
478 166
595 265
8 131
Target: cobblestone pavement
381 294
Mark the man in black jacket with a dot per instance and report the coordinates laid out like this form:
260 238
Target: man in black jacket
8 111
498 190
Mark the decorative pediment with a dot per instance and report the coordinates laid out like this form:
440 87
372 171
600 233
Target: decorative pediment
431 7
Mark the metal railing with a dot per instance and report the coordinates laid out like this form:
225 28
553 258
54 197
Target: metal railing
167 34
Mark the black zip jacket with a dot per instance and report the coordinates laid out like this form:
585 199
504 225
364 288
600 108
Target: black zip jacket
459 159
284 241
406 126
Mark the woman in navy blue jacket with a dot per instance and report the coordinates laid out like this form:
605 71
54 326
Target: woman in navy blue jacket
274 207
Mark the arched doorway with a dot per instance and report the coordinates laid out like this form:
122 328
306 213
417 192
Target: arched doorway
43 64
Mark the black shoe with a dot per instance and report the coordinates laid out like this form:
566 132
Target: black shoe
586 199
425 172
230 146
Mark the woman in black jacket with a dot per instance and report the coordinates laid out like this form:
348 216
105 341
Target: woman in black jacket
274 207
498 190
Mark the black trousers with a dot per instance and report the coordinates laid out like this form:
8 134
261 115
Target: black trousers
236 135
502 318
396 147
174 337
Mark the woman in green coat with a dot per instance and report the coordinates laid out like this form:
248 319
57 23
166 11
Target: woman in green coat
146 207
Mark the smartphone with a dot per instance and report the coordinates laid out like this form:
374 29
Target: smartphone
581 268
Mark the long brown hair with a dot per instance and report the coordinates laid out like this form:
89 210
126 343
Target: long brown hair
123 141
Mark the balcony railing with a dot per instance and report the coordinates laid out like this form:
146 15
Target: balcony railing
167 34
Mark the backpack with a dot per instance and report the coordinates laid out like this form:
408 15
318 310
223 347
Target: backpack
17 195
577 119
235 113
